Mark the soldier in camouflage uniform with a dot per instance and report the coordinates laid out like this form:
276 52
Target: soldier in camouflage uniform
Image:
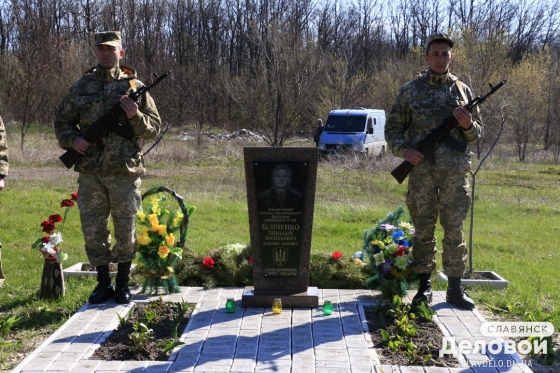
4 166
438 184
110 167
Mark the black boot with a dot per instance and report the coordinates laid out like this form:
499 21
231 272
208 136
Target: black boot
104 289
122 292
424 294
456 295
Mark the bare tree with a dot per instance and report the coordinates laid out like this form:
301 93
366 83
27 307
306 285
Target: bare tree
527 116
279 90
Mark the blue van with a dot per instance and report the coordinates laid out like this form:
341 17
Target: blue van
357 130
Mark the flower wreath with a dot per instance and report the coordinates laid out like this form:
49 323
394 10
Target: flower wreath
389 248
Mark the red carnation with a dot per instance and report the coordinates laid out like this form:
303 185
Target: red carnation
337 255
55 218
48 226
74 196
67 203
400 251
208 262
45 239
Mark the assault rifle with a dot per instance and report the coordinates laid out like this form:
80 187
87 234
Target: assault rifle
109 122
442 135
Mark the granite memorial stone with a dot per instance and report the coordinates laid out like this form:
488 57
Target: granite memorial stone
280 196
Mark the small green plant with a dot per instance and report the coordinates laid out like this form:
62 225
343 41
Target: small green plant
157 304
140 337
548 357
182 308
169 345
425 312
8 323
122 319
405 329
150 316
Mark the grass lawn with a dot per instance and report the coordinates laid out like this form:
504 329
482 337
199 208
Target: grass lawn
516 225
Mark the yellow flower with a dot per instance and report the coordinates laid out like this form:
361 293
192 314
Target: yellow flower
153 219
359 262
178 218
154 201
155 227
170 239
145 231
162 229
141 215
163 252
144 240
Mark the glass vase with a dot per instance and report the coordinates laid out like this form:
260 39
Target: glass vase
327 308
230 305
277 306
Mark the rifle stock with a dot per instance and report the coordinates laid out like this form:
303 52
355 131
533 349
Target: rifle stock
69 157
430 143
109 121
401 172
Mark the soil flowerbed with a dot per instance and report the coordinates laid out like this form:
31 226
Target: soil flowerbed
118 345
428 341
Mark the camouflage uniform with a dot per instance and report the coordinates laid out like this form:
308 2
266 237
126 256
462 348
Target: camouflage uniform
109 179
441 188
4 166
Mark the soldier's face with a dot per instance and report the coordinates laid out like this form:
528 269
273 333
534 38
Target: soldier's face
281 178
439 57
108 56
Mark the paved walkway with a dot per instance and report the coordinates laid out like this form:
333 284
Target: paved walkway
255 340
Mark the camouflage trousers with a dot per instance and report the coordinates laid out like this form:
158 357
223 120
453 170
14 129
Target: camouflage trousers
433 192
101 196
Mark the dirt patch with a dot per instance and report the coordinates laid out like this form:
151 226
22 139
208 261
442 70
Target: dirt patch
39 173
118 345
428 342
20 344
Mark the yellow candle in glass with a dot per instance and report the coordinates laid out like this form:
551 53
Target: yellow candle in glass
277 306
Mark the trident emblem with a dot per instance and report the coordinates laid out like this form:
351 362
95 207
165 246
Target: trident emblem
280 255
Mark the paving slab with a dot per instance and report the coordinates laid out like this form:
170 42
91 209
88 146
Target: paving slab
252 340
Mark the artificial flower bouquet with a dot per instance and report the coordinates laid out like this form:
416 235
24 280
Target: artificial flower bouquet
52 279
161 237
48 244
389 248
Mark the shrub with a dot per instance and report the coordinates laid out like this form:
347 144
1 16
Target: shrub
231 266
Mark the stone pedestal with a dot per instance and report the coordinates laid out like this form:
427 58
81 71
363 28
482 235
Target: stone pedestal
280 197
307 299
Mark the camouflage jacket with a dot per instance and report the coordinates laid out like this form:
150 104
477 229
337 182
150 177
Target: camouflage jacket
90 97
4 166
421 106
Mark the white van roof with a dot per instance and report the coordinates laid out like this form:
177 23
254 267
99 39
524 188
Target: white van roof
356 111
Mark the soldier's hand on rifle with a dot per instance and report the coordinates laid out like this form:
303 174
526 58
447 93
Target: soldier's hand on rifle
80 145
129 106
413 156
463 116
